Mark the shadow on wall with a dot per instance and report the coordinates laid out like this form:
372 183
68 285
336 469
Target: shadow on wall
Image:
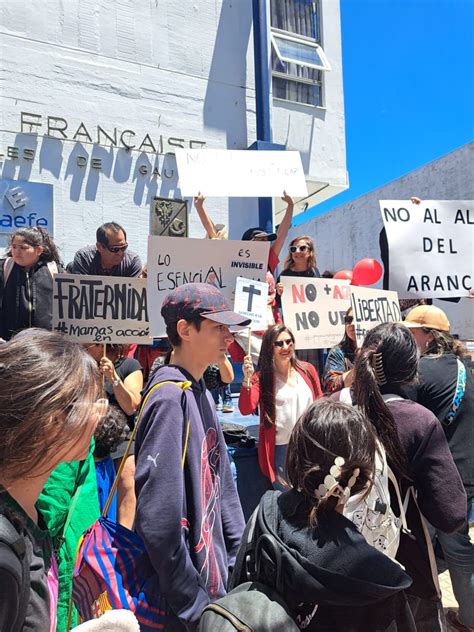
225 101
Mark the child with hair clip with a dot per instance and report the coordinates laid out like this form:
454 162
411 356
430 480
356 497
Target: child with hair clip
328 576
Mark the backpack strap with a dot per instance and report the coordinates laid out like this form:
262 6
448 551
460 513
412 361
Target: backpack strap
53 268
7 268
186 428
244 567
11 541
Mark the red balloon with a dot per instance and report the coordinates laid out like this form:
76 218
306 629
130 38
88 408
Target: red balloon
343 274
366 272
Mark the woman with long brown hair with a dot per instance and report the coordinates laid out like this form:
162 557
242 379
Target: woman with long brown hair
50 404
283 387
418 454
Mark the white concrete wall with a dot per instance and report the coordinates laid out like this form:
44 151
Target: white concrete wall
177 69
351 231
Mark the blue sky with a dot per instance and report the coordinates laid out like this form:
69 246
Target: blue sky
408 88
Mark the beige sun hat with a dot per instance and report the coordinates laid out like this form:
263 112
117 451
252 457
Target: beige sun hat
427 316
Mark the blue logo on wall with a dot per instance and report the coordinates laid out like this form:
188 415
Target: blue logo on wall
24 204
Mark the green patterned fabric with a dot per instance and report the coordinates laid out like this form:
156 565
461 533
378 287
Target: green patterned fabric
54 503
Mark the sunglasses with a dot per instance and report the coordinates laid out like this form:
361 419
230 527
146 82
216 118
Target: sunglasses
116 249
300 248
281 343
348 320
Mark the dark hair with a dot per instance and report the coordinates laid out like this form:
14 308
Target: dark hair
110 432
389 358
326 430
48 387
443 342
101 234
311 263
347 344
266 369
172 330
35 237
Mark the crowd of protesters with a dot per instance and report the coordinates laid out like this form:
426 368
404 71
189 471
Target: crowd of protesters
90 431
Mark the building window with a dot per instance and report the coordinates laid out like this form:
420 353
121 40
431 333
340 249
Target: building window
298 60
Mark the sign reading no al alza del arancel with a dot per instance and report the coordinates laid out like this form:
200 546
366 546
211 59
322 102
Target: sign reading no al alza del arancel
430 247
101 309
314 310
173 262
240 173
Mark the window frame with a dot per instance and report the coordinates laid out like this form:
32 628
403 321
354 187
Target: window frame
326 67
303 39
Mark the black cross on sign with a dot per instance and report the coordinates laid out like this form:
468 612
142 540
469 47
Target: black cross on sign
252 291
327 289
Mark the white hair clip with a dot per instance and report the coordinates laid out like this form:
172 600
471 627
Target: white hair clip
331 486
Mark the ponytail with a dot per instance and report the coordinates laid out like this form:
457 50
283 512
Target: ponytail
388 356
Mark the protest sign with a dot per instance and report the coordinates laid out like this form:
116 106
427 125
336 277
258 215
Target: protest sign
240 173
101 309
430 247
251 301
371 307
314 310
173 262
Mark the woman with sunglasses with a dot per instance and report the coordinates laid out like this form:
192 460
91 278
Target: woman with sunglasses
26 281
282 388
339 368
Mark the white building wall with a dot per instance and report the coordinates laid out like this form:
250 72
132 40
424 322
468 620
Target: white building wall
169 69
350 232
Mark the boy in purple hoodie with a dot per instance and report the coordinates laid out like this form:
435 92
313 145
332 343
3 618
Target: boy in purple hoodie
190 520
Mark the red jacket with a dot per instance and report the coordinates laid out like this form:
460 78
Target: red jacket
249 399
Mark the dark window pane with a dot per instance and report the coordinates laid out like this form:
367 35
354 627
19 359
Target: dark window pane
295 16
296 91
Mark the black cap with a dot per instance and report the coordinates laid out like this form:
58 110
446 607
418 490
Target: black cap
252 233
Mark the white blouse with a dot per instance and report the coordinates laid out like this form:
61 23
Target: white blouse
290 403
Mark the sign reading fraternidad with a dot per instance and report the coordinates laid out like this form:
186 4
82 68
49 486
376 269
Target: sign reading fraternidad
240 173
173 262
251 298
431 247
101 309
314 310
372 307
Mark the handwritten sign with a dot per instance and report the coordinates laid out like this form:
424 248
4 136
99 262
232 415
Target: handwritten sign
430 247
314 310
240 173
251 301
371 307
101 309
173 262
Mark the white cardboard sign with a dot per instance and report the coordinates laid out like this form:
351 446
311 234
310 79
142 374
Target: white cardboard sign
173 262
431 247
251 301
101 309
371 307
314 310
240 173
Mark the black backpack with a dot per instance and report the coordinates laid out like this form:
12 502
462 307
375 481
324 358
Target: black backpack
14 558
252 606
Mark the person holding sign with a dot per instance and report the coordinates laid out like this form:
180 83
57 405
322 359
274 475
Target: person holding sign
26 281
283 388
418 454
123 386
339 369
446 388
